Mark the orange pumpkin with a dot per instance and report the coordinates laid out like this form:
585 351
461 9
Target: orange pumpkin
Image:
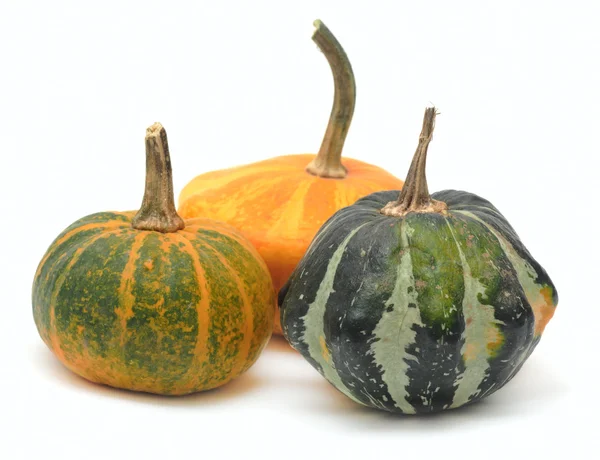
280 203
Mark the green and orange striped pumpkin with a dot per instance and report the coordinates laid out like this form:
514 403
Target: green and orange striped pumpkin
149 302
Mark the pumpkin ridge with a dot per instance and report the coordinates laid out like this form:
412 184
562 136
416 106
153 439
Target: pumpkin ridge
228 231
100 217
127 214
422 238
226 320
393 370
346 319
536 294
248 311
291 217
508 233
380 306
516 320
53 335
67 236
480 208
250 263
202 308
313 320
475 350
126 298
440 294
162 333
86 327
41 289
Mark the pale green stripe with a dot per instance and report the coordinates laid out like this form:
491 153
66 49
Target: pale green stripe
526 275
395 330
480 319
483 208
314 334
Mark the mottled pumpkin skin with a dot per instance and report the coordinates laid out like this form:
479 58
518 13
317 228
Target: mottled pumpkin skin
168 313
418 313
278 206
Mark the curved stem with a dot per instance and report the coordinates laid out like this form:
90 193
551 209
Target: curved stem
157 212
328 162
414 196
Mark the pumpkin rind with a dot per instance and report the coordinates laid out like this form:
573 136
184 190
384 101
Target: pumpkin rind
418 313
169 313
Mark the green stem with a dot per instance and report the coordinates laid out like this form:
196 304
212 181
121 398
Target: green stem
328 162
157 212
414 196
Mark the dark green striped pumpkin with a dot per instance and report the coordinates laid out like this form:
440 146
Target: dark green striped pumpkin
420 304
172 310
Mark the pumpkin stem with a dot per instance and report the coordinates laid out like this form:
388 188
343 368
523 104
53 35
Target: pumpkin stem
414 196
328 162
157 212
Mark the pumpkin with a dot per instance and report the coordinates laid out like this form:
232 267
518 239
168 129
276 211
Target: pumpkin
420 303
145 301
280 203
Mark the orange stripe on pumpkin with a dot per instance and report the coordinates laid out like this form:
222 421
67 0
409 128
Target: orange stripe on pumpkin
202 307
196 225
126 299
248 314
75 231
291 218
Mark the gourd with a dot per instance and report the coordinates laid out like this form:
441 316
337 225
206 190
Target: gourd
280 203
147 301
420 303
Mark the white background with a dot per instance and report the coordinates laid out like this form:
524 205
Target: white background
233 82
